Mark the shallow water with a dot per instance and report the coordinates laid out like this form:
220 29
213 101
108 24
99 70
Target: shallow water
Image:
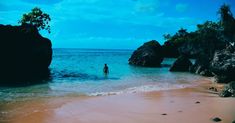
80 72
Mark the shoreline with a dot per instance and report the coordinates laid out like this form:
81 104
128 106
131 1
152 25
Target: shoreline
188 105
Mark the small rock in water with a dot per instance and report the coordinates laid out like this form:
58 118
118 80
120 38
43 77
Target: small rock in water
197 102
216 119
164 114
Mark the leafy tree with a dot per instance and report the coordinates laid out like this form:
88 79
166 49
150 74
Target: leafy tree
227 22
37 18
210 34
216 35
225 13
209 28
179 37
182 32
167 36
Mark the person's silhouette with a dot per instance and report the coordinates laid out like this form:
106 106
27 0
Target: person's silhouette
106 69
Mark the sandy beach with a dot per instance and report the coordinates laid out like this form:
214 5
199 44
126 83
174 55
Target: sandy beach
188 105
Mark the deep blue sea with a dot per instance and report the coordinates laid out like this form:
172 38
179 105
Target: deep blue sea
76 72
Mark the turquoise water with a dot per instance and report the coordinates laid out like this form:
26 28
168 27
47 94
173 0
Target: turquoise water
80 72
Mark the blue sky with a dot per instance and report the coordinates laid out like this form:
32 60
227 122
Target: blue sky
114 24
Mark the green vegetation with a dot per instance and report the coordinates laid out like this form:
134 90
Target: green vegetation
227 22
208 32
37 18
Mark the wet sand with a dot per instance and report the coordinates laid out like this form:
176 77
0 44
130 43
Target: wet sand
189 105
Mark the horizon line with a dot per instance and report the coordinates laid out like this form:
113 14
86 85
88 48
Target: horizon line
90 48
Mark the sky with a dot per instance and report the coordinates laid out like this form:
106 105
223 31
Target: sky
114 24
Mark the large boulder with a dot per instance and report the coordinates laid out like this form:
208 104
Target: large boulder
25 55
148 55
182 64
223 65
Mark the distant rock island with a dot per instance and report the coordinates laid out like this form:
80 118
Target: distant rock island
25 55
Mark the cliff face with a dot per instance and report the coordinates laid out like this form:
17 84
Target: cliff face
25 55
192 49
223 65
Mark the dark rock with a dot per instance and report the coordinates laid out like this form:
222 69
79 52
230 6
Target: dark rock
223 65
201 65
197 102
173 48
148 55
216 119
181 64
225 93
195 48
164 114
25 55
191 49
229 90
233 121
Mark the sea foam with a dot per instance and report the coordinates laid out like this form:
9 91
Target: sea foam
144 88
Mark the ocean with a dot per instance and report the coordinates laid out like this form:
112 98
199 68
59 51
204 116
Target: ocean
79 72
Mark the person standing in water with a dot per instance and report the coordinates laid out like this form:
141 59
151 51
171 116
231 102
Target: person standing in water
106 69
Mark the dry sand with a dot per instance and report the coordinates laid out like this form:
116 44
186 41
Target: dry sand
170 106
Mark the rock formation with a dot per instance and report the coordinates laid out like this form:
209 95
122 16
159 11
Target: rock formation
25 55
202 65
229 90
182 64
148 55
223 65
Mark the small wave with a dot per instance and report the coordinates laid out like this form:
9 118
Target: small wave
144 88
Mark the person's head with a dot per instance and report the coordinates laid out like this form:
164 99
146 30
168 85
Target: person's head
105 64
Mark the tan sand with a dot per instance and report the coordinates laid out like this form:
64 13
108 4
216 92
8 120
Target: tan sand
179 106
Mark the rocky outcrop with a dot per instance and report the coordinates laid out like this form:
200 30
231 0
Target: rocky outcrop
170 49
223 65
229 90
195 48
202 65
173 49
182 64
25 55
148 55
